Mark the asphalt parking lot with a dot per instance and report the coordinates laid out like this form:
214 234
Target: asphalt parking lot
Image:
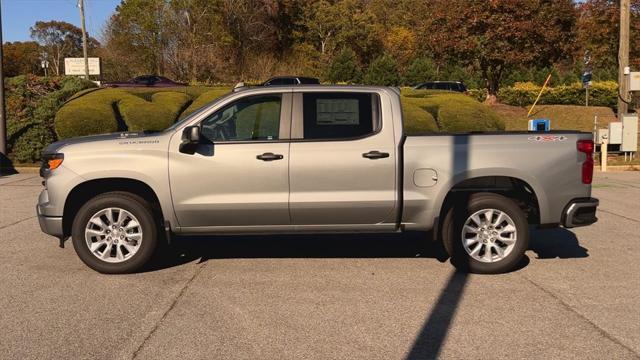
577 295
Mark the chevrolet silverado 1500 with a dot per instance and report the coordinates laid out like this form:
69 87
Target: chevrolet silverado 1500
312 159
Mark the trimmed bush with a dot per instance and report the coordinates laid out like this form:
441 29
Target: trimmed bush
603 93
159 114
89 114
203 100
32 103
110 110
417 119
451 111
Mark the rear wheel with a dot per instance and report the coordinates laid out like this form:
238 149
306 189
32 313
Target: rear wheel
115 233
487 233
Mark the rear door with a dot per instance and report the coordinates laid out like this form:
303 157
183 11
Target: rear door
342 160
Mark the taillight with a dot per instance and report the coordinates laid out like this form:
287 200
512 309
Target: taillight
587 146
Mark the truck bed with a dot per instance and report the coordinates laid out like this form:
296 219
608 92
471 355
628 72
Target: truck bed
548 162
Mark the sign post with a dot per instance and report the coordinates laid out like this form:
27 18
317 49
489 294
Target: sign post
587 75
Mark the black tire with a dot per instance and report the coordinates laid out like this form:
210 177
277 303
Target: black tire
457 214
131 203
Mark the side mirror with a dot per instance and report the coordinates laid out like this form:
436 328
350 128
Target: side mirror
190 140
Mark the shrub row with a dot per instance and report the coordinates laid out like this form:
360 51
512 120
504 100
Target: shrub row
601 93
32 103
448 111
110 110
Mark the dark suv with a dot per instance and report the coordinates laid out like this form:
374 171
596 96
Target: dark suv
442 85
291 80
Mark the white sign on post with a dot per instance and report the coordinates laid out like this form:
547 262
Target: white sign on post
75 66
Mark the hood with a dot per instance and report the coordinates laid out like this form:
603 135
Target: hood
56 146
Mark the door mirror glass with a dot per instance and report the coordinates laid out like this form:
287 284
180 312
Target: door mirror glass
190 139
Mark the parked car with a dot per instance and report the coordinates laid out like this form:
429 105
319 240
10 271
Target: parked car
271 160
291 80
442 85
145 81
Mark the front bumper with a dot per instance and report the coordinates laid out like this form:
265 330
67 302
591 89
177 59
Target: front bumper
580 212
51 225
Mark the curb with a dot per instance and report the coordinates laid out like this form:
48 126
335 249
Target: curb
618 168
21 170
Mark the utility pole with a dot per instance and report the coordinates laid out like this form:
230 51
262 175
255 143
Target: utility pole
3 118
84 40
623 56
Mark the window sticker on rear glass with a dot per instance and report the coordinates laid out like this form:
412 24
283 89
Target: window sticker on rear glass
337 112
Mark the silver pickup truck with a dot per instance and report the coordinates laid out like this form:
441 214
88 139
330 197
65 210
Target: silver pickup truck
312 159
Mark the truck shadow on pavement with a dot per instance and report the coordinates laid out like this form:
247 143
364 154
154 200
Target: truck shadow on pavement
546 244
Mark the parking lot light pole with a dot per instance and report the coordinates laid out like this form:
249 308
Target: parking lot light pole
3 118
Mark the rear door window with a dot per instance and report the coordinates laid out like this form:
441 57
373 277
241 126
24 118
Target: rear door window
442 86
339 115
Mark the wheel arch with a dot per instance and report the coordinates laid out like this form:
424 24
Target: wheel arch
87 190
515 188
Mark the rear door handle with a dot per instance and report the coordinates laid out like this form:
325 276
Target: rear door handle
374 154
269 157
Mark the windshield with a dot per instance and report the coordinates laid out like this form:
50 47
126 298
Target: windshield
197 112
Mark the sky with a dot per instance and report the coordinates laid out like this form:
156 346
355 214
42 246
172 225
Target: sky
19 15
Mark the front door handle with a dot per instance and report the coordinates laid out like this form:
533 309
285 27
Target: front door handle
374 154
269 157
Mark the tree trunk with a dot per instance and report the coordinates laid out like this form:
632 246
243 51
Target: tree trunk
492 76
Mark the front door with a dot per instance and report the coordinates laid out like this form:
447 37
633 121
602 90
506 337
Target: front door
239 175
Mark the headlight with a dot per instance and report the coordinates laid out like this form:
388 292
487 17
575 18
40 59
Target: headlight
50 162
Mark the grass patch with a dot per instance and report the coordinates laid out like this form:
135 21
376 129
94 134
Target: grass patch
563 117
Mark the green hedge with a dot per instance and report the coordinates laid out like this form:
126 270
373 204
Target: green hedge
92 113
204 99
159 114
604 93
601 93
447 111
32 103
110 110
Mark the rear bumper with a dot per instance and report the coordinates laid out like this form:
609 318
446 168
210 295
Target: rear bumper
51 225
580 212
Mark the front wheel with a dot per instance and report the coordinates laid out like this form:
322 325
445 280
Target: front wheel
486 233
115 233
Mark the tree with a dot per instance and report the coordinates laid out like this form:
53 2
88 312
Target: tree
21 58
383 71
420 70
59 39
344 68
400 43
248 28
496 35
193 51
137 33
322 21
598 32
